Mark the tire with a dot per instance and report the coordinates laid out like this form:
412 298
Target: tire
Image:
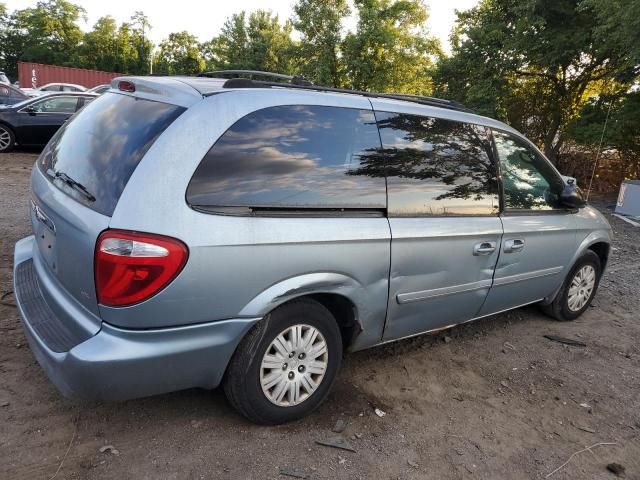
246 373
561 308
7 139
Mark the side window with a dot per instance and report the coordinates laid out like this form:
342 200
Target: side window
56 105
85 101
437 166
51 88
529 181
291 157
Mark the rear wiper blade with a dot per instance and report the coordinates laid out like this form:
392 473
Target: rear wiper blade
72 183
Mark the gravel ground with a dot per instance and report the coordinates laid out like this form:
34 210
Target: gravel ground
491 399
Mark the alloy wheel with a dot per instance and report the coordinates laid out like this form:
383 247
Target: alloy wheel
5 138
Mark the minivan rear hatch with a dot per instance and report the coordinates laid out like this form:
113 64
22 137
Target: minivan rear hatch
80 177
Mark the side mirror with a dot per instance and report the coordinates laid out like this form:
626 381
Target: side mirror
30 110
571 195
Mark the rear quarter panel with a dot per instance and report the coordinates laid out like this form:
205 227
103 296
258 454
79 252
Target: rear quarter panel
245 266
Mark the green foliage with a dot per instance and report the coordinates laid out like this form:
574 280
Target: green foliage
47 33
320 24
179 55
252 42
50 32
390 50
623 127
139 28
532 63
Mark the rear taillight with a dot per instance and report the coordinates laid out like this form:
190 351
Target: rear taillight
131 267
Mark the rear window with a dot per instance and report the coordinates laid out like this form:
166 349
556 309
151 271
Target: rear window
103 144
295 157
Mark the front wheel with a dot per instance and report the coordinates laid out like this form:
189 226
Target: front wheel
7 139
578 289
285 366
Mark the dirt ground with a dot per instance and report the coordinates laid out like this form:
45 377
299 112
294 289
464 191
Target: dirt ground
493 399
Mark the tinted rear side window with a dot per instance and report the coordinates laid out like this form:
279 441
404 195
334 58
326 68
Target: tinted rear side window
292 157
101 147
437 166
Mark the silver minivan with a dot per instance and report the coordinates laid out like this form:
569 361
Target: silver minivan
196 232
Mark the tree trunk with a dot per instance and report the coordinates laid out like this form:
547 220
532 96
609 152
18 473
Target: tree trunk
551 144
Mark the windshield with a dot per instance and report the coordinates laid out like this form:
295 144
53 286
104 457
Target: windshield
102 145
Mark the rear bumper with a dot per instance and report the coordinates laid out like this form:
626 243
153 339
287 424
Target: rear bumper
119 364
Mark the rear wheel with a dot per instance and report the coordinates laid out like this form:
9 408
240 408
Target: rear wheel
7 139
578 289
285 366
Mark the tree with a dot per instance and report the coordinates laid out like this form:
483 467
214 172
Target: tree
254 42
139 29
532 63
621 112
99 45
179 55
320 23
50 32
229 50
390 50
618 26
47 33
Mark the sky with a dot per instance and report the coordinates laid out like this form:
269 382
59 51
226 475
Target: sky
205 19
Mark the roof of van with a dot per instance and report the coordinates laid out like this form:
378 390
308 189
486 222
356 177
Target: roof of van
183 89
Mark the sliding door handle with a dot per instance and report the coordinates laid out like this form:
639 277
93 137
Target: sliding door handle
513 245
484 248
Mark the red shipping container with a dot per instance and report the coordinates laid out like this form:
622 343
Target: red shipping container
33 75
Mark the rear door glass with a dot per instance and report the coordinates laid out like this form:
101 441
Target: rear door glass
437 167
102 145
293 157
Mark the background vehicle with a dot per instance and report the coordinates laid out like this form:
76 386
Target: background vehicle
300 221
99 89
4 79
34 121
54 87
10 95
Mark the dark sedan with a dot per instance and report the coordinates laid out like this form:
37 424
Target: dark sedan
34 121
10 95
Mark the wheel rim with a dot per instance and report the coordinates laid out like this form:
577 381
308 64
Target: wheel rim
5 138
294 365
581 288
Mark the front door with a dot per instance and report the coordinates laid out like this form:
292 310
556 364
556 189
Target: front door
539 234
41 119
443 213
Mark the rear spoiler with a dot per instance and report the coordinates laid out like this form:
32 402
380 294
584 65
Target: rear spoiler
160 89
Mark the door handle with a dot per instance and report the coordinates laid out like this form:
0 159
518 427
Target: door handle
484 248
513 245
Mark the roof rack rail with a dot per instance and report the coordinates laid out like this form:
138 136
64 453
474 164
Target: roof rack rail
423 100
294 80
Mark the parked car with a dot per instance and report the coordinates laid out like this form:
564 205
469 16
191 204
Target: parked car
191 232
54 87
10 95
4 80
99 89
35 120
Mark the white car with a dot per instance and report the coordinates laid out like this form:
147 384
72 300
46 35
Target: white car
54 87
4 79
